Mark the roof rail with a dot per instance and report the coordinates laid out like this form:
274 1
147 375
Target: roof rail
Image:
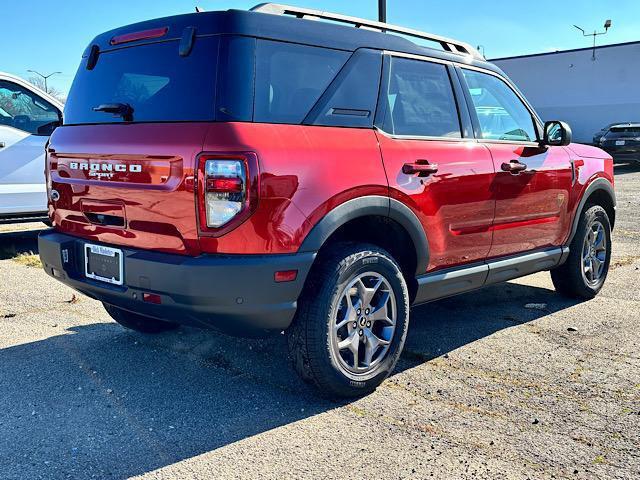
447 44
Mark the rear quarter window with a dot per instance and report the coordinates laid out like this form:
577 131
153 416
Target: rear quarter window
290 78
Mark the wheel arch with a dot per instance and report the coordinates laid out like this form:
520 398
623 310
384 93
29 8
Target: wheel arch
372 208
599 192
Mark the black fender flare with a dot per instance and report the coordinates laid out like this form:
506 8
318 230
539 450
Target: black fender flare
597 184
373 205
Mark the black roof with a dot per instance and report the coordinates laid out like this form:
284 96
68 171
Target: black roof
283 28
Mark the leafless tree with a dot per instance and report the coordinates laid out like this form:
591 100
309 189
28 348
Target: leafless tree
53 91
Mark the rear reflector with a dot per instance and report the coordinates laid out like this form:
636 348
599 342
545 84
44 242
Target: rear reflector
152 298
224 184
142 35
285 276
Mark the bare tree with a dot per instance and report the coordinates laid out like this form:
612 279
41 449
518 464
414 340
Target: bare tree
53 91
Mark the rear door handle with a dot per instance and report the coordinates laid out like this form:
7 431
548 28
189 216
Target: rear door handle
422 167
514 166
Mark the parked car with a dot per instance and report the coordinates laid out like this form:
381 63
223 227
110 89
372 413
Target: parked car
261 172
601 133
622 142
27 117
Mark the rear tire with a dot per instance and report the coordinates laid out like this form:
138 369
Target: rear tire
352 321
138 323
586 268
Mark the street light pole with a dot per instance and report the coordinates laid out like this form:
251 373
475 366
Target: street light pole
45 77
382 11
607 26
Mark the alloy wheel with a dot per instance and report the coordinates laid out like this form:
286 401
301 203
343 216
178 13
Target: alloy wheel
363 323
594 253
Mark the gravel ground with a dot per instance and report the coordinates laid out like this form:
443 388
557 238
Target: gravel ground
486 389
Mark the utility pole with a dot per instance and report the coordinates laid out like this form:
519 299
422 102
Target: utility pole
45 77
607 26
382 11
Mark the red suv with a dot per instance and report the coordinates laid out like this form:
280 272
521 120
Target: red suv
259 171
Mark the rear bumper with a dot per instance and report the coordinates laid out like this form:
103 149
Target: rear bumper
233 293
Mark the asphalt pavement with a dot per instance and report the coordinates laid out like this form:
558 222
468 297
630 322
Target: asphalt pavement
490 386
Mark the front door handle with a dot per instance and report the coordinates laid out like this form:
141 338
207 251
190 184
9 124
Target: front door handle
1 144
422 167
514 166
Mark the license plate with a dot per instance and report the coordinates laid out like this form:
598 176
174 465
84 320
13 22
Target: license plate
619 142
103 263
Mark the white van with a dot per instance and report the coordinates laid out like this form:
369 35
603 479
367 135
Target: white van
27 117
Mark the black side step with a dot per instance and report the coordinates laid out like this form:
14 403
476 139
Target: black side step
447 283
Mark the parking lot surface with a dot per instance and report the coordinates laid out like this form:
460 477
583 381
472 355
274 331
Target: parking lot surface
512 381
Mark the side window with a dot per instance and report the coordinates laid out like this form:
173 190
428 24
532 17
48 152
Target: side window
350 101
290 79
420 100
22 109
501 114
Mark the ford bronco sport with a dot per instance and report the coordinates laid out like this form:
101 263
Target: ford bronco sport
257 171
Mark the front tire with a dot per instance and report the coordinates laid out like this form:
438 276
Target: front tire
585 271
138 323
352 321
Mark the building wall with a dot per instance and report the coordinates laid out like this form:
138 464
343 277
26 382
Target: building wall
587 94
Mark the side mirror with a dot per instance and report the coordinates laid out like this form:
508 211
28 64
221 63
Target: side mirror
48 128
557 134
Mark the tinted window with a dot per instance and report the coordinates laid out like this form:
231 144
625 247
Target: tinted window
235 79
631 131
22 109
154 79
290 79
501 114
420 100
351 99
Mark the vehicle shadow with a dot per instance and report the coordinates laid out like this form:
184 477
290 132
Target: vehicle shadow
96 400
15 243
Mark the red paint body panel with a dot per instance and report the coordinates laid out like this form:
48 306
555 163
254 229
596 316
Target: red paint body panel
532 207
588 151
454 205
589 163
470 210
158 201
304 173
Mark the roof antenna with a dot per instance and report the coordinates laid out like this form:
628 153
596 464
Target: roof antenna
199 9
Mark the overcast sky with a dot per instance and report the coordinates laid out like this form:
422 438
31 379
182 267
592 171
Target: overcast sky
50 35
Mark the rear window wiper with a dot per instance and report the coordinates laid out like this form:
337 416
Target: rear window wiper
123 110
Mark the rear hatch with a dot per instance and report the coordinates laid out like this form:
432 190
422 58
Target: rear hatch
135 120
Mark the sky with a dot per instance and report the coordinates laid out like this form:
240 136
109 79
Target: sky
50 35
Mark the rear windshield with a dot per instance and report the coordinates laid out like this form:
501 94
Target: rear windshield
153 79
633 130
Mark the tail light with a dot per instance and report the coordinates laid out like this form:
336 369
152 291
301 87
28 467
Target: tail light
227 190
